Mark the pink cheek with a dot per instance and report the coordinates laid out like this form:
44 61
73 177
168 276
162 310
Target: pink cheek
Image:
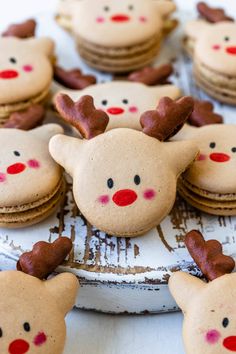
2 177
33 164
133 109
40 339
212 336
104 199
143 19
216 47
149 194
100 19
201 157
28 68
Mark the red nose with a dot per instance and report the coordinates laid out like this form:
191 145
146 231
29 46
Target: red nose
124 197
231 50
120 18
230 343
219 157
115 110
8 74
16 168
18 346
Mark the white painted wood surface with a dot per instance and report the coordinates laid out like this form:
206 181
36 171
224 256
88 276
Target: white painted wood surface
91 333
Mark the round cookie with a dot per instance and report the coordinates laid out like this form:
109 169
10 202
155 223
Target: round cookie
210 182
124 180
25 73
32 312
119 36
214 58
31 184
125 101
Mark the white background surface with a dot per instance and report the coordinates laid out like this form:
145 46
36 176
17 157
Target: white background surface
92 333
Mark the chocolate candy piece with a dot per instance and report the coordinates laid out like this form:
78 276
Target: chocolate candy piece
26 120
152 76
82 115
21 30
45 257
208 255
212 14
73 79
168 118
203 114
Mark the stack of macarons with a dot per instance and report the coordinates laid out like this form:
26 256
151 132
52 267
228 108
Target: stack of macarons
212 44
116 36
210 182
31 183
25 74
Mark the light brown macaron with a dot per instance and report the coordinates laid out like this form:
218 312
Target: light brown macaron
31 183
25 73
214 57
210 182
119 36
33 312
124 101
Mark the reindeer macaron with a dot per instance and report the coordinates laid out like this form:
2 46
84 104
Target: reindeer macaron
25 74
32 310
209 184
209 308
125 101
118 36
214 53
124 181
31 183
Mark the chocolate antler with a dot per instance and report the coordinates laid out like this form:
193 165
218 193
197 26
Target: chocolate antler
168 118
203 114
208 255
82 115
21 30
152 76
26 120
212 14
73 79
45 257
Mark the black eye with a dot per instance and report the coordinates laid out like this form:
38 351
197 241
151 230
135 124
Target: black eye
104 102
13 60
137 179
234 149
131 7
225 322
16 153
125 101
106 8
212 145
227 38
110 183
26 326
1 333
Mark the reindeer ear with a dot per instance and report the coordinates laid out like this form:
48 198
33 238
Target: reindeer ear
186 133
63 288
195 29
164 7
181 154
44 45
65 150
184 287
171 91
47 131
